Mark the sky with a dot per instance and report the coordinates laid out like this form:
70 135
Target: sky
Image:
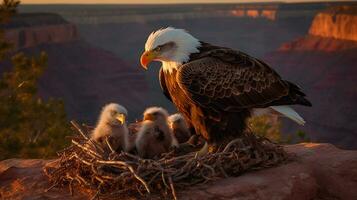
149 1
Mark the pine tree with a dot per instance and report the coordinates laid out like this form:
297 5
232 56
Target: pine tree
29 125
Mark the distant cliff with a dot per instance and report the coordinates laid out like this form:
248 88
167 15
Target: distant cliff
326 67
254 13
338 23
104 14
332 30
30 30
84 76
318 43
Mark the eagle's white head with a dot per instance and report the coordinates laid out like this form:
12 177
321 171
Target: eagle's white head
170 46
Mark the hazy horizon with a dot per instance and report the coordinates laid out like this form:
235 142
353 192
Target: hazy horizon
161 1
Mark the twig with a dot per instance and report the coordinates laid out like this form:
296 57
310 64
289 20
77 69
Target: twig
231 143
86 149
52 186
76 125
163 179
110 146
140 179
172 188
95 196
81 132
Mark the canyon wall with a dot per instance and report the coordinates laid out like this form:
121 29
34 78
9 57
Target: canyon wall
325 66
317 43
340 23
33 36
84 76
253 13
103 14
26 35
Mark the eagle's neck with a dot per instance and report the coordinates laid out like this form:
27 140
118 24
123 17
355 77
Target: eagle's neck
170 66
182 55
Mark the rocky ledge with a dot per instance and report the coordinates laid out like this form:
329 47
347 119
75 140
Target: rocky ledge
317 171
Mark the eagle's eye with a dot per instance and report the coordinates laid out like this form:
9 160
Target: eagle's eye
165 47
158 48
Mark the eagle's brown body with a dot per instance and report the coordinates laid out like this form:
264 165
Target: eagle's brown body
218 87
212 125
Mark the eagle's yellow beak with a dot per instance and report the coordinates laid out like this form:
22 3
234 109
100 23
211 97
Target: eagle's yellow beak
147 57
121 118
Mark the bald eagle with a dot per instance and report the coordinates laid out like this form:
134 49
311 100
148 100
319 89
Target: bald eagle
218 88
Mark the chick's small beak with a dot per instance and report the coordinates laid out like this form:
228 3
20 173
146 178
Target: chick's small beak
121 118
147 57
149 117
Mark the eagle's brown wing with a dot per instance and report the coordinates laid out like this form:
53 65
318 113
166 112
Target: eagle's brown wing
163 85
229 80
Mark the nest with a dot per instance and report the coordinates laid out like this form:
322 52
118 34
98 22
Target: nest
109 175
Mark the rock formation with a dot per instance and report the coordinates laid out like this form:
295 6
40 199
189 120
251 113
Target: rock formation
326 68
316 171
84 76
252 13
25 31
338 23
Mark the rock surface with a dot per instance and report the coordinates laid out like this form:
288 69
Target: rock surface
30 30
34 36
338 23
317 171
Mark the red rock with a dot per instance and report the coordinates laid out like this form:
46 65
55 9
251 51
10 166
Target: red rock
339 23
24 179
315 43
326 68
26 37
317 171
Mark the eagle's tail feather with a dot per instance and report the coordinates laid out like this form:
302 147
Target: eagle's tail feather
289 113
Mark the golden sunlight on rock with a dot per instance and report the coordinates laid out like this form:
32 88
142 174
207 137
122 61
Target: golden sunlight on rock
253 13
341 25
238 12
269 14
311 145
